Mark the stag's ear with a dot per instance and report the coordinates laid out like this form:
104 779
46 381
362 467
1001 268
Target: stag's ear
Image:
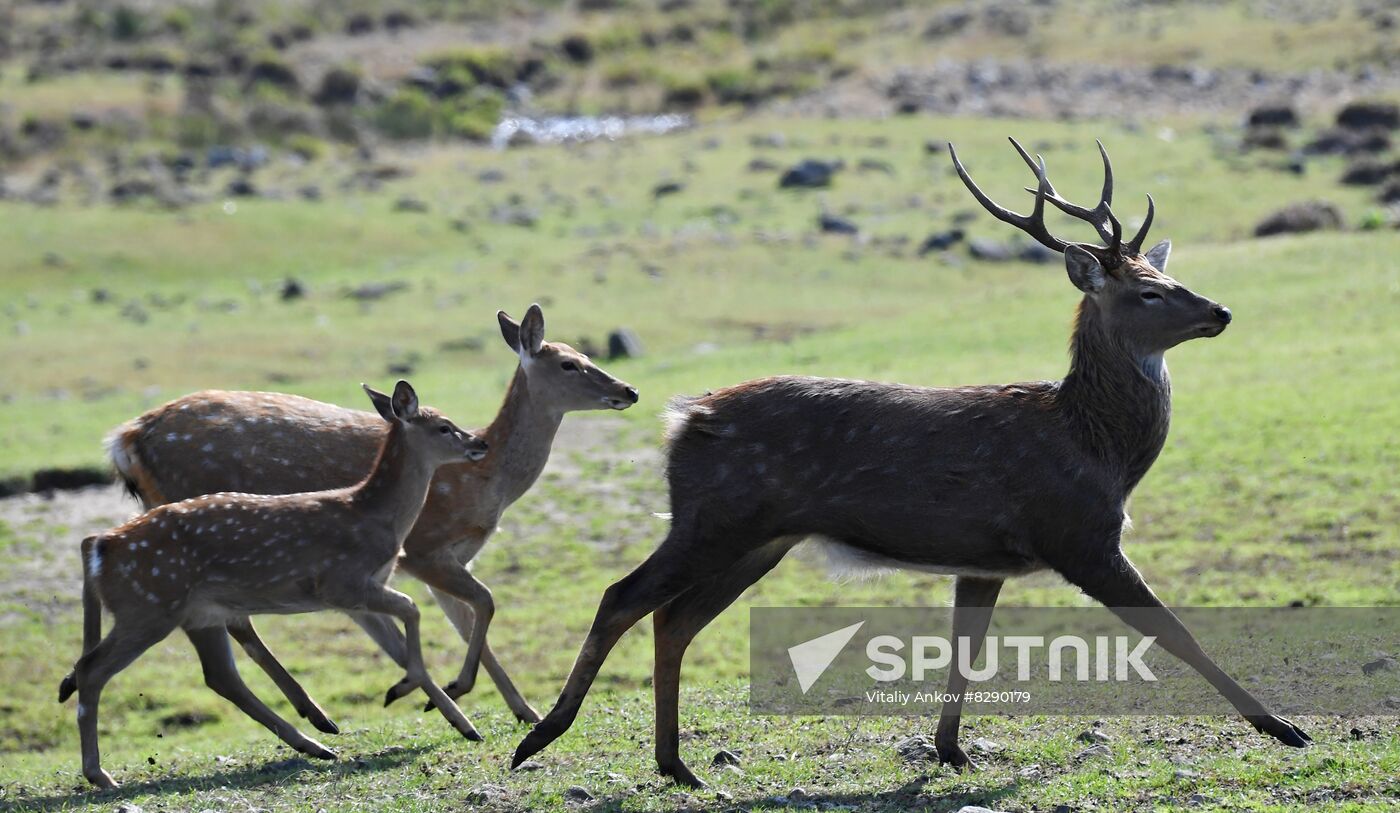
532 331
1084 270
510 330
405 402
1158 254
381 403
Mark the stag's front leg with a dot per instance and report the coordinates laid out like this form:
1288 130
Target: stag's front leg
1114 582
973 600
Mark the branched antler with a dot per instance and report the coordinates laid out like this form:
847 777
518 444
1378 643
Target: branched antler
1101 216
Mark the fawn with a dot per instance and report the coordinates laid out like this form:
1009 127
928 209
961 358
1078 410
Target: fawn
205 564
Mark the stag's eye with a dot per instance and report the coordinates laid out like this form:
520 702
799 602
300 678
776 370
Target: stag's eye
443 430
1150 296
570 366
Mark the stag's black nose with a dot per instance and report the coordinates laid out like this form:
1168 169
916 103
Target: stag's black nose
1223 314
632 394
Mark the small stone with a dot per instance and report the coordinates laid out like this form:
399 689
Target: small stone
624 343
976 809
723 795
1094 735
578 793
1198 799
985 745
1386 664
1095 752
724 757
1185 773
1358 734
128 808
529 765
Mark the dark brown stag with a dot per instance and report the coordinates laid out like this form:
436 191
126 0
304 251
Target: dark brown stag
983 483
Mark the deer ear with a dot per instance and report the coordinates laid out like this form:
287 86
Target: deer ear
1084 270
1157 255
405 402
381 403
510 330
532 330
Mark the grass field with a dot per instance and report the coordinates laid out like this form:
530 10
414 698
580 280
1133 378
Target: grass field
1277 484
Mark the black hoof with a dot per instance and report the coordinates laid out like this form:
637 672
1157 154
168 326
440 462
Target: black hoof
324 724
67 687
682 775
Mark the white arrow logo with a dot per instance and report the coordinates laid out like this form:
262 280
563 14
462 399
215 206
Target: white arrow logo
812 658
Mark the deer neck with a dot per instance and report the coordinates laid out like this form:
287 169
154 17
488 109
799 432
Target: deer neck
396 487
520 438
1118 399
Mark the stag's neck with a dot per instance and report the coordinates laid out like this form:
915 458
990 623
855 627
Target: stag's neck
1120 401
395 489
520 439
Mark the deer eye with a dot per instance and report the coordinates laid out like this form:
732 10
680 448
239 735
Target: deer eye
570 366
443 430
1150 296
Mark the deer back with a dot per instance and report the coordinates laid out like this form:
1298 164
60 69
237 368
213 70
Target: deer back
953 480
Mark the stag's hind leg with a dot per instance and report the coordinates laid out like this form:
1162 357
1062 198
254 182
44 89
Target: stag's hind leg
247 637
676 624
677 564
973 600
221 675
1112 580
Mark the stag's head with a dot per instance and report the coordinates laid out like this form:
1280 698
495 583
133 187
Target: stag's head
1127 289
559 375
428 434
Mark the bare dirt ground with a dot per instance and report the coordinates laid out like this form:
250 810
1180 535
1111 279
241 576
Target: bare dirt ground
43 574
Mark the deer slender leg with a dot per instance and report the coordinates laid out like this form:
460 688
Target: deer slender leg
247 637
382 631
676 624
1115 583
973 600
221 675
463 617
665 574
468 604
519 706
124 644
388 601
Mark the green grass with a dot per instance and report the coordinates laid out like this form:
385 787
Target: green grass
1275 485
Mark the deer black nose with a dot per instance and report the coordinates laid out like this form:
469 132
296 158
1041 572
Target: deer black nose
633 394
1223 314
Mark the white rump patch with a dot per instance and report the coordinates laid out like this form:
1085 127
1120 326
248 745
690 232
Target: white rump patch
119 454
677 416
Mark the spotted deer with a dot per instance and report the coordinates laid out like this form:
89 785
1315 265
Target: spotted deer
205 564
268 443
983 483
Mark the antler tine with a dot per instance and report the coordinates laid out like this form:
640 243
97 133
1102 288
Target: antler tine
1034 224
1101 216
1107 194
1135 244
